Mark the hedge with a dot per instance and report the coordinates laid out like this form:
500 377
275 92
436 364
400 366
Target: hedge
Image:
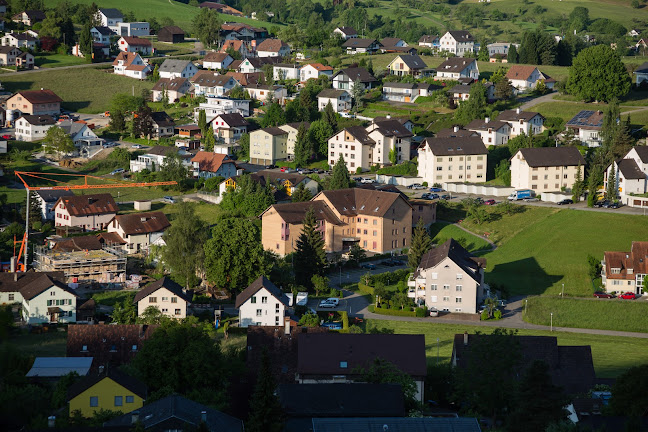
365 289
394 312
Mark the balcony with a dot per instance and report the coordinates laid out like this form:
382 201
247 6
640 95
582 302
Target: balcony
416 293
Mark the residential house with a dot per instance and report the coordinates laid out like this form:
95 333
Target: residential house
90 212
377 221
177 69
430 41
211 83
135 44
391 43
20 40
272 48
32 102
110 18
458 159
268 145
340 100
546 169
29 17
48 300
153 159
133 29
570 367
242 32
139 230
130 64
221 8
101 35
406 64
630 174
423 210
499 51
586 126
401 92
390 135
356 146
261 92
346 32
454 68
47 199
80 133
8 55
215 106
324 358
109 345
457 42
525 78
261 304
293 129
625 271
210 164
236 45
163 125
176 413
527 122
641 73
171 34
217 60
346 79
461 92
492 132
286 71
175 88
12 284
449 279
405 121
314 70
246 79
25 60
229 127
361 46
33 127
109 390
166 295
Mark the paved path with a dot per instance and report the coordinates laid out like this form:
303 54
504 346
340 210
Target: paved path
546 98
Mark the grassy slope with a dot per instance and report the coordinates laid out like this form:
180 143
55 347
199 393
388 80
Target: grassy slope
441 231
612 355
616 314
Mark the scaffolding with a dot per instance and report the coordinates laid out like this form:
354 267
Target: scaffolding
106 265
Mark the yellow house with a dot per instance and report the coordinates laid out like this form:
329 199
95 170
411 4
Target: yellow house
112 390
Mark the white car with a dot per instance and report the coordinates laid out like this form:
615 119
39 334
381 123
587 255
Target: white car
331 302
367 181
117 171
138 146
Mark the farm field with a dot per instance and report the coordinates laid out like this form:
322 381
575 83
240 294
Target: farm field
605 314
612 355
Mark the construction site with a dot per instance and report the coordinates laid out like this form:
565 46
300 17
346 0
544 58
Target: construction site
106 265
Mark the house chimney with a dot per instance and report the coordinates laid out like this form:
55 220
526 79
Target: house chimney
15 276
487 119
134 417
287 326
455 128
517 110
101 369
203 416
51 421
466 338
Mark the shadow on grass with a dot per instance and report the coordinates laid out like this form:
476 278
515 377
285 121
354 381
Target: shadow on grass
524 276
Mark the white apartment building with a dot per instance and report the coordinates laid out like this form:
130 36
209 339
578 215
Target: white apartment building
630 174
215 106
546 169
457 42
33 127
262 304
454 159
455 68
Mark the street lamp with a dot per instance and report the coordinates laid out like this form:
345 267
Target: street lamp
551 322
562 294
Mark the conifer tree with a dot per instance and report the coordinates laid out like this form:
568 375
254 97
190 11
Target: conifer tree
265 410
340 178
611 191
421 243
310 258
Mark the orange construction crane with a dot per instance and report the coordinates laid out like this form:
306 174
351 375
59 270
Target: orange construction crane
63 185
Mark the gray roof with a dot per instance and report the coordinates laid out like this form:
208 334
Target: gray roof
104 30
261 282
642 69
413 61
482 125
331 93
360 43
552 156
71 127
53 195
514 115
399 85
170 65
455 64
50 367
396 424
39 120
460 256
461 145
357 73
112 13
462 35
630 170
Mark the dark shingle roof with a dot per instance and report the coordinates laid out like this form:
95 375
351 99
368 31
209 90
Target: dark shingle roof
162 119
348 30
38 285
357 73
39 120
360 43
396 424
172 65
479 124
143 223
160 150
413 61
331 93
126 381
165 282
451 133
642 152
587 119
643 68
233 119
631 170
105 31
460 145
274 131
392 128
53 195
359 201
360 134
261 282
460 256
172 30
552 156
112 13
514 115
462 35
69 244
455 64
14 282
40 96
86 205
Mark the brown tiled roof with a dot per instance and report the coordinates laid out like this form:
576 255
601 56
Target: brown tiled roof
165 282
215 57
271 45
360 134
207 78
128 382
126 57
455 64
143 223
172 30
358 201
136 41
552 156
341 354
520 72
254 287
294 213
233 119
513 115
392 128
630 170
460 256
210 161
40 96
86 205
14 282
461 145
162 119
173 84
636 259
110 238
38 285
570 367
235 44
331 93
264 177
245 79
108 344
479 124
69 244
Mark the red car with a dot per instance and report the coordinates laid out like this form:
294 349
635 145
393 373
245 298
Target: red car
628 296
490 202
601 294
7 137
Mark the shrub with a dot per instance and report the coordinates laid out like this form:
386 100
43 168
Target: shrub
497 315
484 315
345 320
420 312
392 312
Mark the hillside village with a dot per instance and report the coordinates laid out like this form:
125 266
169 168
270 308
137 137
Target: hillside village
323 217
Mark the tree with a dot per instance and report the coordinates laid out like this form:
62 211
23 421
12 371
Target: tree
274 116
152 315
537 395
393 156
611 191
356 254
598 74
512 55
629 392
310 257
579 185
594 179
421 243
309 319
303 148
381 371
234 256
301 194
340 177
248 199
180 254
321 283
125 312
356 93
594 267
58 142
172 169
117 121
244 142
210 139
265 410
85 43
503 89
202 121
330 116
483 54
474 107
143 122
206 25
319 133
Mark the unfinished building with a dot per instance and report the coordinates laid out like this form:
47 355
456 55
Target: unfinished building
106 265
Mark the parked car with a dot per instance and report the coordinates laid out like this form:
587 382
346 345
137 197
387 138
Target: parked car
446 197
565 202
117 171
286 169
601 203
169 200
601 294
331 302
7 137
433 196
479 200
531 199
490 202
387 263
436 189
271 166
434 312
628 296
138 146
397 262
357 179
367 181
109 144
611 205
416 186
369 266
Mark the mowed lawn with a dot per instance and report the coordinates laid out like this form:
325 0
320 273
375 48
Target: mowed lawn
87 90
47 60
612 355
605 314
551 248
442 231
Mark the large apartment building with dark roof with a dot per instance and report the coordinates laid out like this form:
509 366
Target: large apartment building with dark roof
453 159
546 169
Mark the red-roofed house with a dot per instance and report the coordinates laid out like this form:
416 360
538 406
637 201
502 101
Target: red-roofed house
315 70
139 230
130 64
625 271
272 48
135 44
208 164
527 77
90 212
236 45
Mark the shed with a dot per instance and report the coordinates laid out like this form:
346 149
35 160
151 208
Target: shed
172 34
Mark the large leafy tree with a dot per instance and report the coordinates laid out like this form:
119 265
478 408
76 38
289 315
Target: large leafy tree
125 311
474 107
182 253
319 133
206 25
248 199
57 141
381 371
503 89
310 257
173 169
234 256
421 243
340 178
85 43
274 116
598 74
629 395
143 122
303 147
265 410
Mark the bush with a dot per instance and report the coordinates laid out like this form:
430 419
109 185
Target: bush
345 320
484 315
497 315
365 289
420 312
392 312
